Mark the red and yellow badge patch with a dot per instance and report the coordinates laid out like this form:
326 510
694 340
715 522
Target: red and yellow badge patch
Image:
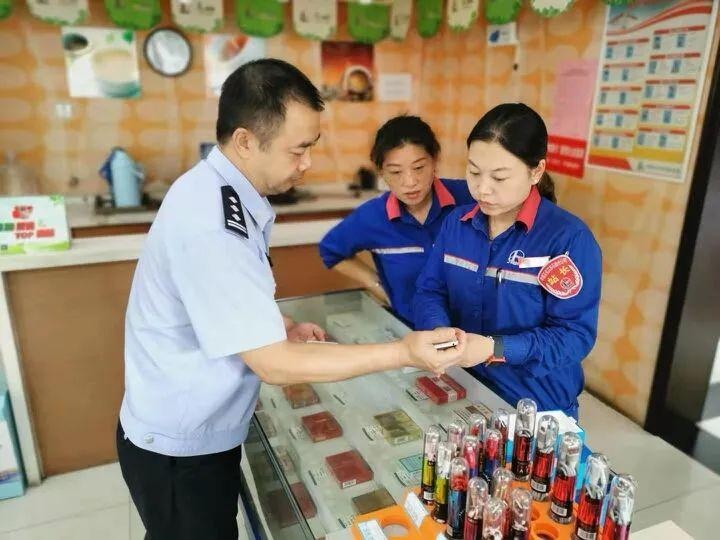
561 278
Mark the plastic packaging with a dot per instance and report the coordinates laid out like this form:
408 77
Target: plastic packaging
442 478
563 492
491 458
621 501
477 496
523 440
471 453
457 499
542 469
430 451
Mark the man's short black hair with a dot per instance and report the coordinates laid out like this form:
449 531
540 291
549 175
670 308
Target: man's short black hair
400 131
255 97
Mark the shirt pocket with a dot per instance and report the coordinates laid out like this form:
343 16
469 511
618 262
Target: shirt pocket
520 302
463 280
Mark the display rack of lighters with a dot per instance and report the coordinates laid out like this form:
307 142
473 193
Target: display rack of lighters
469 489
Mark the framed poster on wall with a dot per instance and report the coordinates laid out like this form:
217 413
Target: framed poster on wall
652 68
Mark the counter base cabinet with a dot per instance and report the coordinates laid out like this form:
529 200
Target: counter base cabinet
299 271
69 324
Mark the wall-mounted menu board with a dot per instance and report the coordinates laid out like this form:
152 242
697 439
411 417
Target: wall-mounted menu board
652 68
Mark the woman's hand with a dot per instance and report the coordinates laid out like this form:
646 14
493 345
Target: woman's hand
479 349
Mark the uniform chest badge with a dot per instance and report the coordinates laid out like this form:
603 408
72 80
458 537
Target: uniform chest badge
233 212
561 278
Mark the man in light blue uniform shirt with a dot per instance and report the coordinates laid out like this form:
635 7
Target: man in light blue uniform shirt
202 326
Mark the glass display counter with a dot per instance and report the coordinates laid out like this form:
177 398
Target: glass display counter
318 455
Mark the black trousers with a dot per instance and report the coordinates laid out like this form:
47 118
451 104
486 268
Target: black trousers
182 498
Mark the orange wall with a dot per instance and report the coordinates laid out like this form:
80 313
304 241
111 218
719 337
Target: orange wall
637 221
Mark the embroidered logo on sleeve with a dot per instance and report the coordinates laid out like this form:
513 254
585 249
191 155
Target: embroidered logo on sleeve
234 217
561 278
462 263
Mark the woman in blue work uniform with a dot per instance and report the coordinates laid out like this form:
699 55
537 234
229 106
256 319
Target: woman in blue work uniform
400 226
520 273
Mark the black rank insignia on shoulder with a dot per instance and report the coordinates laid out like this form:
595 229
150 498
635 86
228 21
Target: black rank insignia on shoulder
234 217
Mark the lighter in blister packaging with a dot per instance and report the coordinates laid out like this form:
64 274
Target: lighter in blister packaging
520 504
430 451
592 497
523 440
492 446
563 492
455 436
442 478
457 498
501 421
542 469
621 501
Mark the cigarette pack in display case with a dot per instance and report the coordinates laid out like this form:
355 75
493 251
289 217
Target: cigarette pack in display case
300 395
375 500
281 511
398 427
442 389
349 468
321 426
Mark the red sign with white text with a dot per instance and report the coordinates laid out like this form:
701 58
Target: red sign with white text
566 156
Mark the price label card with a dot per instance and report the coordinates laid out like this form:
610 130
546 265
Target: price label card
373 432
319 475
341 398
408 479
416 394
412 464
298 433
415 509
371 530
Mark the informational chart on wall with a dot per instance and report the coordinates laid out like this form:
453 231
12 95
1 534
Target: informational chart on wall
652 70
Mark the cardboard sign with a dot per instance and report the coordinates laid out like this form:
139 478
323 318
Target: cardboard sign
32 224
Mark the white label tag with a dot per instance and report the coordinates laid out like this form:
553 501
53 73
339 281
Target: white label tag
540 488
373 432
347 520
415 509
349 483
445 387
371 530
559 510
416 393
298 433
585 535
318 475
408 479
533 262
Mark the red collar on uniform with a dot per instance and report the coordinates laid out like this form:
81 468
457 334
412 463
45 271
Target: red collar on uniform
526 215
471 213
444 197
528 211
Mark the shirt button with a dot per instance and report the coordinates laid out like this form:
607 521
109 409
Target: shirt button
494 248
149 439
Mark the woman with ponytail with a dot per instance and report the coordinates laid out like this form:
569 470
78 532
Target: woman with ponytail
518 273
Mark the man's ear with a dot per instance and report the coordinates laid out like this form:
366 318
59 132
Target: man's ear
244 142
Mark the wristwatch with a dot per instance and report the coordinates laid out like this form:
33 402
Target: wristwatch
498 349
